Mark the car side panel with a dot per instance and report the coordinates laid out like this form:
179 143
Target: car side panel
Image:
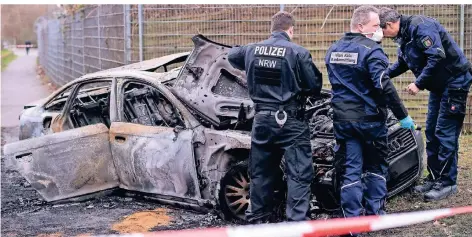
67 164
155 160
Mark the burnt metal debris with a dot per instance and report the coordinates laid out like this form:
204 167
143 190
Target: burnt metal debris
181 136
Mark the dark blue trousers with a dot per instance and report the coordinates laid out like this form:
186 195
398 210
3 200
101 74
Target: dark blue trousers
446 112
363 173
269 143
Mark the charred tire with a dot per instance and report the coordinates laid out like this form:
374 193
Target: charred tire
233 195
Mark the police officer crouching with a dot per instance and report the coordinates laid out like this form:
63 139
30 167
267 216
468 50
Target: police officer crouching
440 66
280 74
362 91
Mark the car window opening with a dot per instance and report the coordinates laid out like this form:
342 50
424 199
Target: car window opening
144 105
91 105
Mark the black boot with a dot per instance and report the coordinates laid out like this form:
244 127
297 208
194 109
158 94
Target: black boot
439 192
258 221
425 187
351 235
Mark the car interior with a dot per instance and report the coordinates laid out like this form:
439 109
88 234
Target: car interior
58 103
144 104
91 105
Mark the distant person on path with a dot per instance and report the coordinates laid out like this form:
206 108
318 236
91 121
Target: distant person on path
28 45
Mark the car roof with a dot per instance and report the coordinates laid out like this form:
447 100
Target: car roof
153 64
160 77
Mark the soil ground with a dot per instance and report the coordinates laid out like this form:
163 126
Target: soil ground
25 214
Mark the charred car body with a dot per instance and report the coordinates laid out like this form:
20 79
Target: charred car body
181 136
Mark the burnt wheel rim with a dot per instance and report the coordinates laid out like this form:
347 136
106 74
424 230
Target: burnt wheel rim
237 194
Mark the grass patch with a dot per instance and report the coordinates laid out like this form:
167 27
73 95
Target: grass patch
453 226
7 57
5 52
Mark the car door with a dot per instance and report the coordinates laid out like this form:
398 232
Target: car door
152 145
68 163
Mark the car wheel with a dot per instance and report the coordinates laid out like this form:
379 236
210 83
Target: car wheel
234 192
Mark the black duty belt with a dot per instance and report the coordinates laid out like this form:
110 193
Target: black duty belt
366 118
270 112
275 107
280 112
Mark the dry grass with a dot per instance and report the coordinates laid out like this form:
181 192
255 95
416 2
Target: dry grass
453 226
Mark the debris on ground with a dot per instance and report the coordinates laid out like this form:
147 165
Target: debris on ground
41 75
51 235
143 221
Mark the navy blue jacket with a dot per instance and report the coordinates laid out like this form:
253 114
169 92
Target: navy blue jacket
278 71
429 51
361 87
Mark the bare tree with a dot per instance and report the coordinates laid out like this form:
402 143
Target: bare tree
18 21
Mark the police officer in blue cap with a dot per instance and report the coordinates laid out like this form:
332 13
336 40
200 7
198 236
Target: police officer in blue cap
362 91
280 74
439 65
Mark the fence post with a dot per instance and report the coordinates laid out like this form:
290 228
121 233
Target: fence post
39 32
281 7
99 38
83 44
127 32
140 22
461 38
60 51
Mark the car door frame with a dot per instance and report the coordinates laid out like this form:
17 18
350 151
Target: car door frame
191 200
35 120
57 125
83 162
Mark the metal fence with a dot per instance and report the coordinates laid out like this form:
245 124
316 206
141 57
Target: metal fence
99 37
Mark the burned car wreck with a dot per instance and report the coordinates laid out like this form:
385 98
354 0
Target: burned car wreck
181 136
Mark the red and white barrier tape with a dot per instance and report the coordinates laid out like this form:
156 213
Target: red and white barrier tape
338 226
25 46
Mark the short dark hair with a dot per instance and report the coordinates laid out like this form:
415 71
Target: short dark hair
361 15
388 15
282 21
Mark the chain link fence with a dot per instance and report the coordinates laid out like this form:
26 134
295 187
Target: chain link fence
100 37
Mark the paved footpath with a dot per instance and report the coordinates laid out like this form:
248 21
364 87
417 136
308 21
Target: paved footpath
20 86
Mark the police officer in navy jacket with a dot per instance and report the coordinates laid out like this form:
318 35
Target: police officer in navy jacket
280 74
439 65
